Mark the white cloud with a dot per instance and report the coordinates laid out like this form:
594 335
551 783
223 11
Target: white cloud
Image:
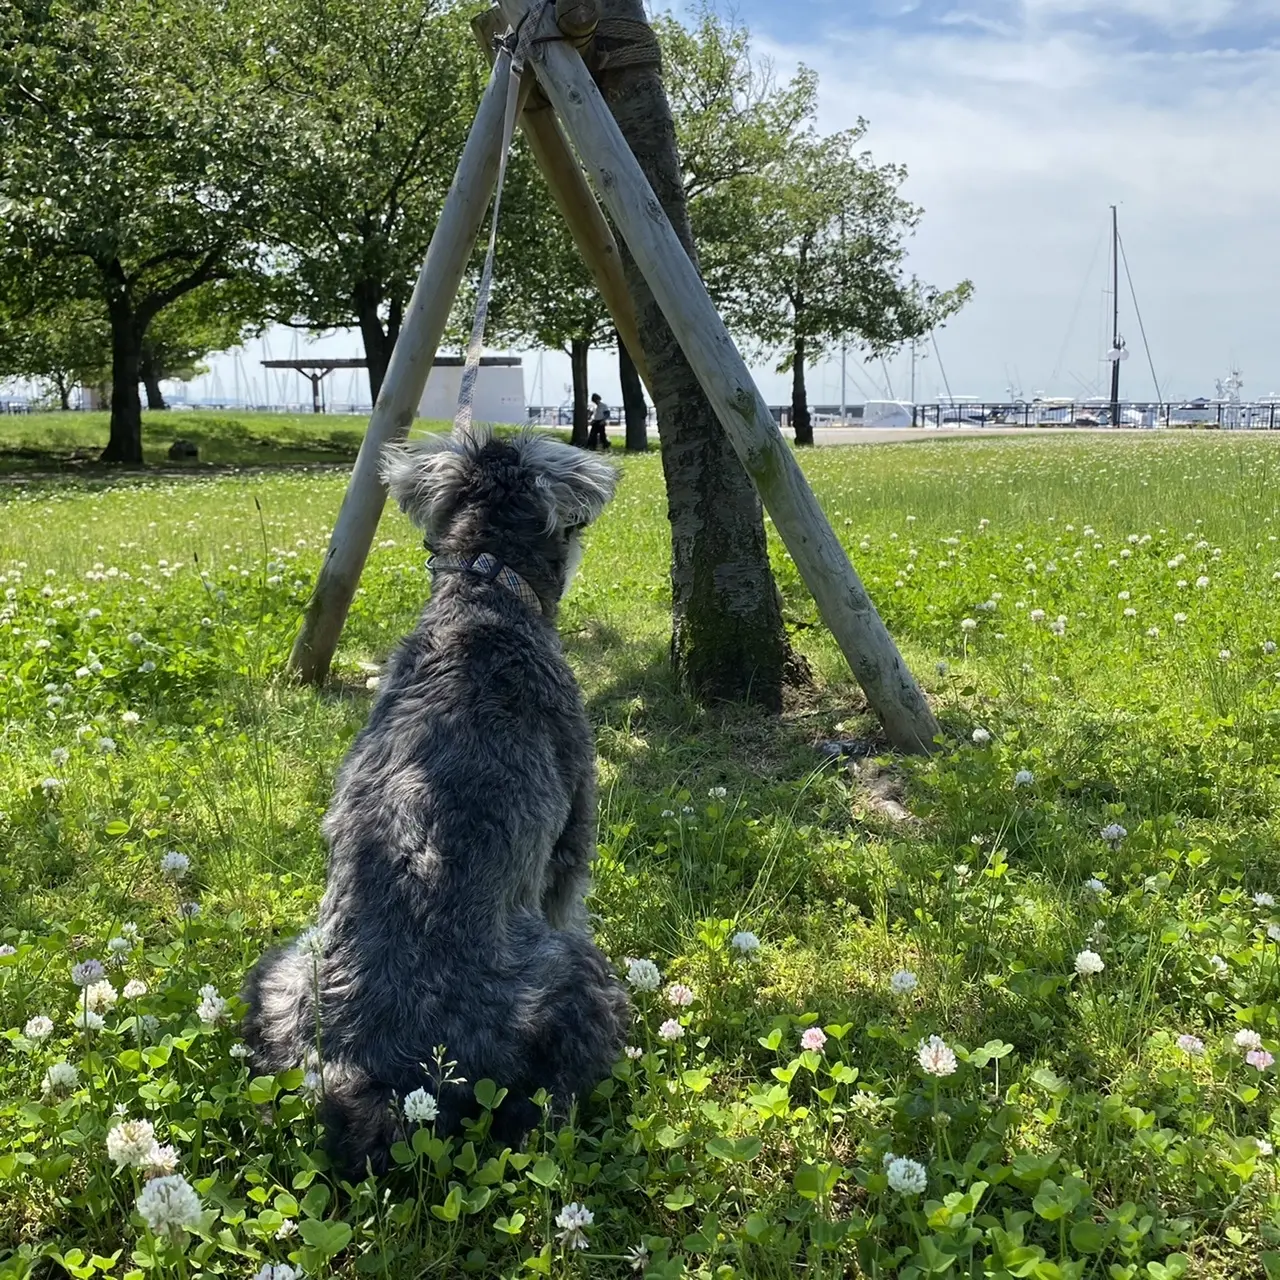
1016 145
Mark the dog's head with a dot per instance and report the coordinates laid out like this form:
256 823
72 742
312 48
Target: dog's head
526 498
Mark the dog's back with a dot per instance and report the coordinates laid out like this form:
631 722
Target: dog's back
462 827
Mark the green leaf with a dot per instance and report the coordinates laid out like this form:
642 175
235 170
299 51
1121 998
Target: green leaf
116 827
545 1172
327 1238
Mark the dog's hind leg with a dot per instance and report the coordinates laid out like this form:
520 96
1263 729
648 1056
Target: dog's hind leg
576 1019
360 1120
280 1025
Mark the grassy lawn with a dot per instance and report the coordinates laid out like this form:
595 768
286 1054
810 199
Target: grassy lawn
1101 612
59 440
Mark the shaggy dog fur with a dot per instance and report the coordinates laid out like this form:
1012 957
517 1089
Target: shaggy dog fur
461 831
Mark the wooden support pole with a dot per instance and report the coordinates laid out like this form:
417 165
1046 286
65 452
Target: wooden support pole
578 206
841 598
411 360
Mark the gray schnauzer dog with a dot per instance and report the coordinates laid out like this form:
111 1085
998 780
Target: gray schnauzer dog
462 828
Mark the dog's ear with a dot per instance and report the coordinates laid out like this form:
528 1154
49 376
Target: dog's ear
426 477
577 483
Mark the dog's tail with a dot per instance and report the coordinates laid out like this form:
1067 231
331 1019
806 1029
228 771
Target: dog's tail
360 1120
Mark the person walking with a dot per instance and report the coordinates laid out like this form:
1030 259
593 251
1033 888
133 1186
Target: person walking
596 437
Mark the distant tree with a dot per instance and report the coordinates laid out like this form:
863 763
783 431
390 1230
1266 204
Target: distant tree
130 159
212 318
61 346
824 231
374 99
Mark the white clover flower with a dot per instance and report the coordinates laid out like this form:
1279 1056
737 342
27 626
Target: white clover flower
903 983
8 949
937 1057
129 930
372 683
1202 582
188 910
1036 615
1219 966
160 1162
1192 1046
129 1144
1247 1041
718 793
135 989
212 1008
679 995
1263 900
941 668
1268 646
175 864
1023 778
60 1076
147 667
745 942
1153 633
1273 932
310 942
1089 963
91 614
643 975
82 673
1131 613
1224 655
907 1177
87 1020
59 756
239 1051
87 972
135 639
633 1051
1265 1148
1096 887
638 1257
129 718
981 737
670 1030
312 1085
968 624
1113 834
572 1220
118 946
169 1206
286 1229
38 1027
1179 618
107 746
278 1271
420 1107
100 996
1059 628
51 786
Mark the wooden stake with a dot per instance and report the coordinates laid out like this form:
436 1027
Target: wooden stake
411 360
578 206
841 598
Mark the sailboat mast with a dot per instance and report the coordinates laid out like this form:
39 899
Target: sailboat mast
1115 320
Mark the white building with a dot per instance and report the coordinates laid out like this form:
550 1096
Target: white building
499 395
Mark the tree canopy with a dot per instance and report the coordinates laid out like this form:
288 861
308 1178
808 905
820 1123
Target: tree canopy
133 146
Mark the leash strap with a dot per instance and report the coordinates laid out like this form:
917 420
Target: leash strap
489 568
467 389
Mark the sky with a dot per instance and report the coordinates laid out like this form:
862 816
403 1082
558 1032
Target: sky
1021 122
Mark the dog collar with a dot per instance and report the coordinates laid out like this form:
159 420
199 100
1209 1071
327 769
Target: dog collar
490 569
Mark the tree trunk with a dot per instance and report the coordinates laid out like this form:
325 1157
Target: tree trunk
124 444
727 637
800 419
578 351
155 397
377 343
63 385
635 411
